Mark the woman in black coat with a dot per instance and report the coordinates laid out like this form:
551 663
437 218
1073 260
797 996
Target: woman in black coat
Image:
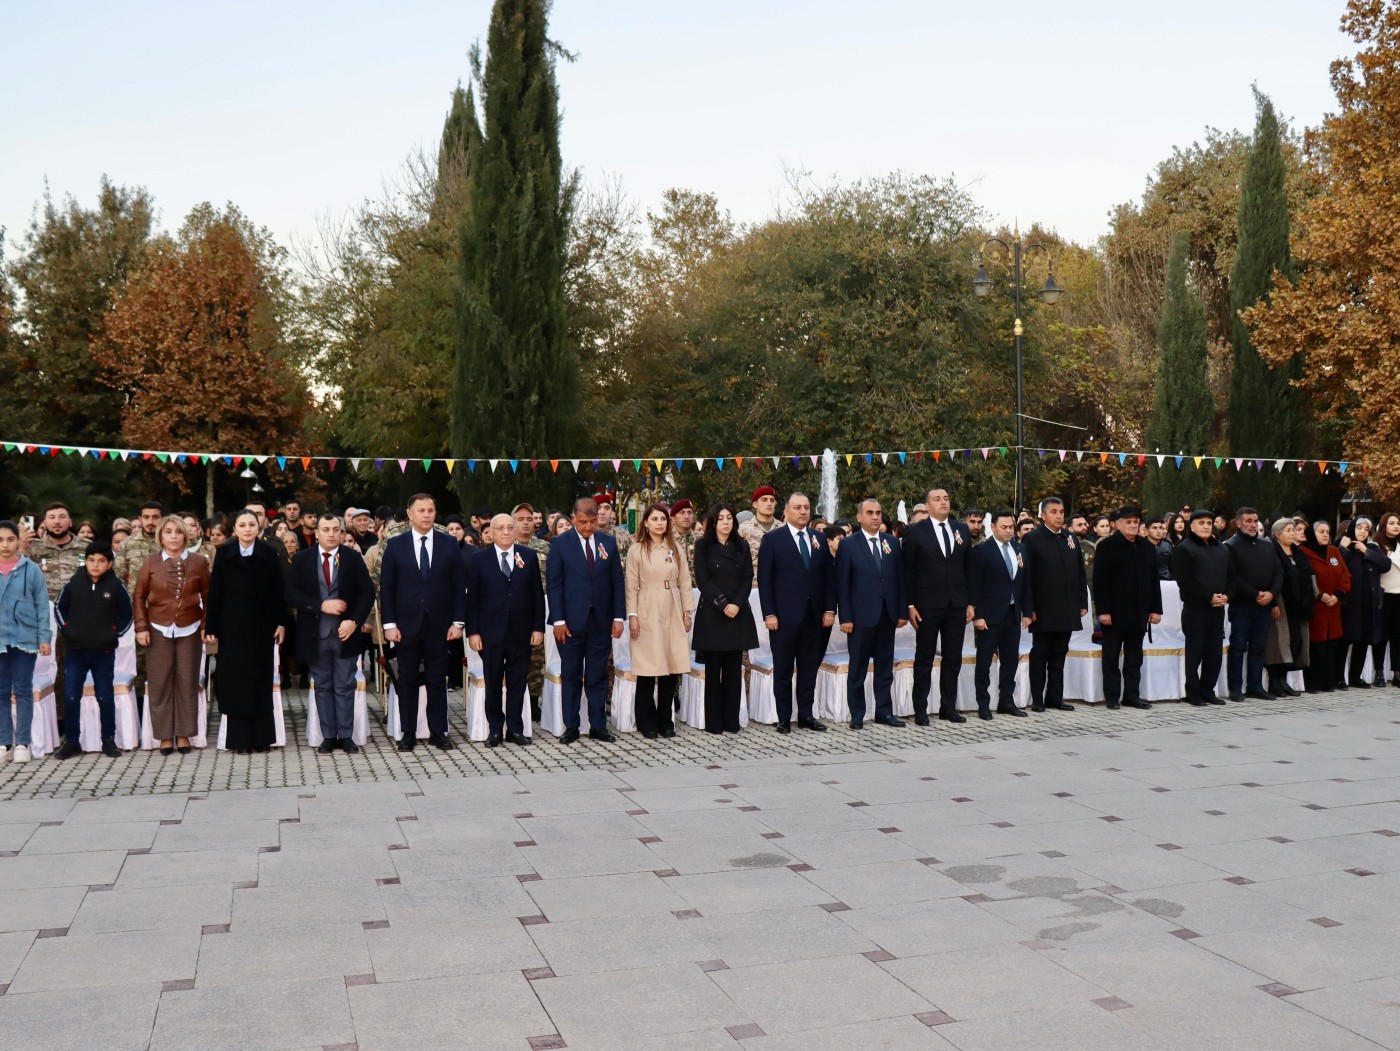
1361 609
724 628
247 617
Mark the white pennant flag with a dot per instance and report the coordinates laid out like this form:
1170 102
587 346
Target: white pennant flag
355 462
699 463
493 464
1160 458
884 457
1079 455
574 464
1278 465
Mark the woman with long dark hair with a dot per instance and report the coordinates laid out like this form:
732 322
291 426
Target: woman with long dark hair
1361 613
658 619
248 620
724 625
1325 629
1388 537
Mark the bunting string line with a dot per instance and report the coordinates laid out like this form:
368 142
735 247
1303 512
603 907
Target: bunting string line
638 464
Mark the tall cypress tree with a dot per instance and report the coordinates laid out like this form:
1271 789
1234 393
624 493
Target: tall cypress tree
1265 410
1183 409
517 378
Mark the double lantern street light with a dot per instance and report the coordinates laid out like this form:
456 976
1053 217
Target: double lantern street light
1050 294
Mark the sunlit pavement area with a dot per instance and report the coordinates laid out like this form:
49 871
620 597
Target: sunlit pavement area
1178 878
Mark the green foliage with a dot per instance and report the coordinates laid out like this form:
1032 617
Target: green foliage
1183 410
516 385
1265 409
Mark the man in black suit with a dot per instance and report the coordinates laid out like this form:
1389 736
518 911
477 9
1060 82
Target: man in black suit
996 583
330 588
935 551
587 603
797 594
1128 597
505 622
871 599
422 593
1055 602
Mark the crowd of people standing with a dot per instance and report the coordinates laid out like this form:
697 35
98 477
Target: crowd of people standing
322 588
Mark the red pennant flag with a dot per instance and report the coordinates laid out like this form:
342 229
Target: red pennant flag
145 456
534 464
332 463
102 454
918 456
238 461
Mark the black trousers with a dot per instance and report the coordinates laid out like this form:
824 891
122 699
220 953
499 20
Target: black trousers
1048 652
800 645
1204 628
939 630
723 686
1004 642
1355 663
504 668
1322 671
867 644
423 661
1126 685
654 695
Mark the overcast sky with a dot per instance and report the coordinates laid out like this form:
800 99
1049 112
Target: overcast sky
1049 111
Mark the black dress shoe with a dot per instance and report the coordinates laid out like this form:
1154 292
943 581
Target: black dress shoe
1196 702
183 749
669 733
569 736
952 717
109 748
442 741
348 746
1013 710
1342 686
984 715
921 720
1112 706
1361 684
889 720
519 739
1061 706
601 735
493 741
168 751
812 724
1260 695
1037 707
1236 695
327 746
407 743
1139 704
650 735
1215 700
785 728
68 749
856 724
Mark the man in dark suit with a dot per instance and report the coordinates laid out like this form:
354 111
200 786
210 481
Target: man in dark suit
797 594
935 551
996 584
1127 597
871 599
587 604
330 588
1055 602
422 595
505 622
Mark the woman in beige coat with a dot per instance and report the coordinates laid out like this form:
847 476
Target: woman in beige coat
658 618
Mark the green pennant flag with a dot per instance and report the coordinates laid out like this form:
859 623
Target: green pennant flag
163 457
427 464
1002 450
1218 461
9 447
637 465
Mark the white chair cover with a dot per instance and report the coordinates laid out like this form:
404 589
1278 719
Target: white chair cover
474 681
393 727
128 722
552 693
624 688
359 726
762 708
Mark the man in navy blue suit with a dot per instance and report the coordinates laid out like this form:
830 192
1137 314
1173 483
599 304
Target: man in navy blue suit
935 552
422 593
587 605
996 582
797 594
505 622
870 594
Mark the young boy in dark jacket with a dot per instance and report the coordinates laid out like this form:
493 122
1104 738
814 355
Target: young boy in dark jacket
94 611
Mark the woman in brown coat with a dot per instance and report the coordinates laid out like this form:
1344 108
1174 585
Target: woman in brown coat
1333 582
658 618
172 589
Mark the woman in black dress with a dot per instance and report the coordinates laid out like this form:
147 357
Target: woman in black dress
724 628
1361 609
247 618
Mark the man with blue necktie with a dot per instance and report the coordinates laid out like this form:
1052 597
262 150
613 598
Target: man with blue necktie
870 597
422 593
996 587
587 605
935 552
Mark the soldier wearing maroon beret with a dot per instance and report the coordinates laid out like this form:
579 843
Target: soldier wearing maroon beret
683 525
765 504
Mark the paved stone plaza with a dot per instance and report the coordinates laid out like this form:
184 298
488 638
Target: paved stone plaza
1183 878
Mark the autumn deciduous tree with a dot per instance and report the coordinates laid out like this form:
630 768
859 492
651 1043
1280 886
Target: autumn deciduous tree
1345 310
196 344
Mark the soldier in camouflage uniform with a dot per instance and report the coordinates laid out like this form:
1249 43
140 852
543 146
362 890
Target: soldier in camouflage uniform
683 524
524 516
135 550
59 554
765 504
607 523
